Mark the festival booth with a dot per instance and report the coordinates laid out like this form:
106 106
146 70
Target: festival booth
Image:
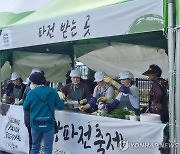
71 30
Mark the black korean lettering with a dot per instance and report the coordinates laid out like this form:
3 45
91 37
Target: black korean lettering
118 138
42 30
66 132
73 33
100 143
81 135
87 26
109 142
88 134
59 125
73 131
64 27
50 30
99 134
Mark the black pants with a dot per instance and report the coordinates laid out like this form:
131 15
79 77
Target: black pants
30 136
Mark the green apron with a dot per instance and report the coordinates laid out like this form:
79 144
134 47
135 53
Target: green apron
125 103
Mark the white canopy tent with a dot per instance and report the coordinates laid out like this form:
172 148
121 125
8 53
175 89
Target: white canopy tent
46 24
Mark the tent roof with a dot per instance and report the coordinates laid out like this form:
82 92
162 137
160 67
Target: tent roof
61 8
22 12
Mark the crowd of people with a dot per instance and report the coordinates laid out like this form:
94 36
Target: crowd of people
39 100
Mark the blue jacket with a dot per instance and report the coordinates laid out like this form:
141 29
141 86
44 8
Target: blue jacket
41 118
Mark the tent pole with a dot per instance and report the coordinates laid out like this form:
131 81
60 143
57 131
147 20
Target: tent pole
0 75
171 72
178 78
177 101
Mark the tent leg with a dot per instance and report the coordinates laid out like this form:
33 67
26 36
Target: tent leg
0 75
177 101
178 90
171 53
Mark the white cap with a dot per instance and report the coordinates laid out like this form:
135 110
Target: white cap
99 76
75 73
35 70
126 75
14 76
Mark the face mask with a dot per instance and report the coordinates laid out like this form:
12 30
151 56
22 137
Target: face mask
32 86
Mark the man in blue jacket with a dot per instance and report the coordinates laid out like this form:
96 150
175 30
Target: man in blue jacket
41 102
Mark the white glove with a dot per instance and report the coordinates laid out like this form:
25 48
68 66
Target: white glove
83 101
112 82
19 102
102 112
5 99
105 99
61 95
84 107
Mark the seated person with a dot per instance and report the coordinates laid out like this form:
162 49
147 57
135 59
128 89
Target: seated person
128 96
14 90
75 91
102 92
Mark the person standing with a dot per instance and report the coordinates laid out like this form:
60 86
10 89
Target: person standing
27 113
15 89
128 97
41 102
76 90
102 93
158 102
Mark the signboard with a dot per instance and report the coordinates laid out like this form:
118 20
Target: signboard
82 133
120 19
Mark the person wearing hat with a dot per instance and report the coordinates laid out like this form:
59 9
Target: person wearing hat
158 102
41 102
29 86
15 89
96 102
76 90
128 97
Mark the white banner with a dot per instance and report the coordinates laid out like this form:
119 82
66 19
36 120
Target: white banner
81 133
13 133
119 19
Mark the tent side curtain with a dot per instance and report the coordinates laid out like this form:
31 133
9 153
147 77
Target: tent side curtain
5 56
55 66
59 48
152 39
122 56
